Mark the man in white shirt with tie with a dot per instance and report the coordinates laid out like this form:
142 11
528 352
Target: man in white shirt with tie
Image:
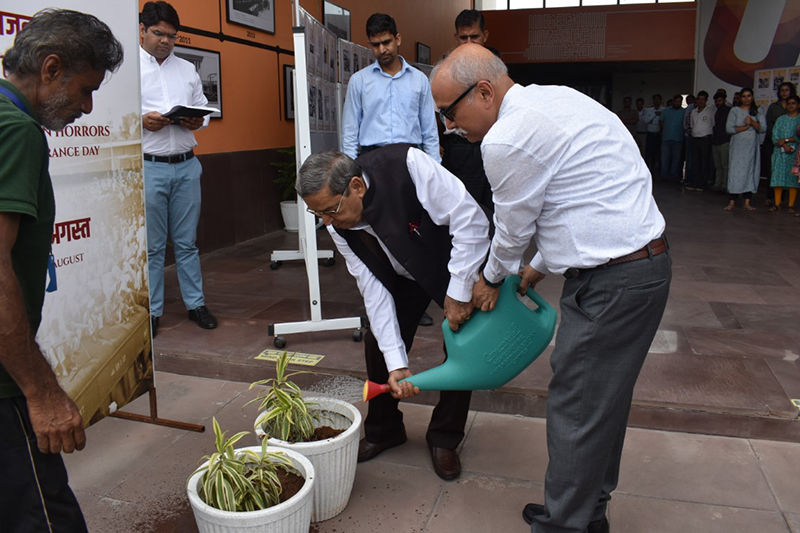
567 174
171 170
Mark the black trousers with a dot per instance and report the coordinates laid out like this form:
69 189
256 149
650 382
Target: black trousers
702 161
384 419
34 491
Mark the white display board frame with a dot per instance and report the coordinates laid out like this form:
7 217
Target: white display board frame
307 236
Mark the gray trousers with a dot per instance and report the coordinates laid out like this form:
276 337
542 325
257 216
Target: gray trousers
609 316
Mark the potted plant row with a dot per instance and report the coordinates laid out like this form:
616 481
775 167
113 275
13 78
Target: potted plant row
251 489
324 430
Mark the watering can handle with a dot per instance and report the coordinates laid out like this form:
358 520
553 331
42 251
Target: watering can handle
540 302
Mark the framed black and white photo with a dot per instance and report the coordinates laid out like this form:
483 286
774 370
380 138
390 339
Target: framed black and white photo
423 54
288 92
336 19
256 14
207 64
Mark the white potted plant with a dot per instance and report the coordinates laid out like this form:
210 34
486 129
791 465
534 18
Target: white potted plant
248 490
325 430
286 179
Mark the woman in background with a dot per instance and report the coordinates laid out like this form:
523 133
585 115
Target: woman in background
744 161
784 139
774 111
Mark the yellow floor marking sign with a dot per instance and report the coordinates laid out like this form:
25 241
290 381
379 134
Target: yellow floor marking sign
295 358
796 403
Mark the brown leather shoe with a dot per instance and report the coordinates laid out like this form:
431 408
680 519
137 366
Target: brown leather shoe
446 463
368 450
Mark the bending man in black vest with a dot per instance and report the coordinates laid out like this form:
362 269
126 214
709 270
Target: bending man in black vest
410 233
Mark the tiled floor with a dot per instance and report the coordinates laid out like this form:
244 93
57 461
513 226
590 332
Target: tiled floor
131 477
725 360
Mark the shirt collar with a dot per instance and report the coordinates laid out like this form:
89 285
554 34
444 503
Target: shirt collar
403 68
147 56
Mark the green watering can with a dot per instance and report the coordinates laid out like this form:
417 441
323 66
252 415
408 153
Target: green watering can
490 349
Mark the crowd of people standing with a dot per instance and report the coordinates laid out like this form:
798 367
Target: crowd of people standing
719 147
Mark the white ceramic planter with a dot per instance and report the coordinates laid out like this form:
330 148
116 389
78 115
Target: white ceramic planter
291 516
291 221
334 459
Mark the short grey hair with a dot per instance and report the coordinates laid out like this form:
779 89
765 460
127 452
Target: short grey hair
332 169
465 70
81 41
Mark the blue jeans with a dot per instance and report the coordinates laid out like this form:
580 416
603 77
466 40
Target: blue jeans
671 159
172 201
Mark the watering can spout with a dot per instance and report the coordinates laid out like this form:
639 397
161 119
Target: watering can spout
490 349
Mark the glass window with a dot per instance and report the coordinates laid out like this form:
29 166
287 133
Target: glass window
491 5
624 2
525 4
599 2
562 3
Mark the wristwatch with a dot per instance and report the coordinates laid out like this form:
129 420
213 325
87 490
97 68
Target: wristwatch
493 285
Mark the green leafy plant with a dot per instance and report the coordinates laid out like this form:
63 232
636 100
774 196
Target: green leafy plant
287 173
286 415
241 480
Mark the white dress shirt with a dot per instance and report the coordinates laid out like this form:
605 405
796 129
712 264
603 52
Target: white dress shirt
173 82
565 172
653 119
702 122
380 109
448 204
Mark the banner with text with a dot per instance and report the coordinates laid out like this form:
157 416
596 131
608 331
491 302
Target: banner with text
736 38
96 322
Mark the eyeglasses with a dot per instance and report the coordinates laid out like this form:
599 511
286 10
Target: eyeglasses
329 212
161 35
446 113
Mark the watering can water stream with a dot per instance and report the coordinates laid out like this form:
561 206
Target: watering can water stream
491 348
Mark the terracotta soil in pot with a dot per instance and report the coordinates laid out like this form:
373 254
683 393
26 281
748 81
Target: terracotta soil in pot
290 482
325 432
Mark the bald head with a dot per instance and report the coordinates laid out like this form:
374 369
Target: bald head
468 87
470 63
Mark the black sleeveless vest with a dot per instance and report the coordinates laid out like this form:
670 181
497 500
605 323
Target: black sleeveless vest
393 211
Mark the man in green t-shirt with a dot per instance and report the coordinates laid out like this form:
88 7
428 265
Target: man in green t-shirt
58 60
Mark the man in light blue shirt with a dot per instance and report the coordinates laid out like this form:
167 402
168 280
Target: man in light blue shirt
672 139
389 101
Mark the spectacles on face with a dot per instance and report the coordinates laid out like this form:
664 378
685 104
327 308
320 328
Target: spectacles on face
161 35
329 212
447 113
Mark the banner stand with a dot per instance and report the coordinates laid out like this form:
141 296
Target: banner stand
153 418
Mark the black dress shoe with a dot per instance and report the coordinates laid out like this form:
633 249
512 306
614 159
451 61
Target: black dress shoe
446 463
154 325
426 320
203 317
535 509
368 450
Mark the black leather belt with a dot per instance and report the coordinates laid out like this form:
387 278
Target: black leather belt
171 159
653 248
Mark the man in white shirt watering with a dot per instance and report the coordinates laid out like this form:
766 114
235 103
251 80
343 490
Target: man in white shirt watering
566 174
171 170
410 233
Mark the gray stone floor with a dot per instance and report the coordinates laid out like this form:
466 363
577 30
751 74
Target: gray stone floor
725 360
720 377
131 476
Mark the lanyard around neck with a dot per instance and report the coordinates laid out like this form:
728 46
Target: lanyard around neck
14 99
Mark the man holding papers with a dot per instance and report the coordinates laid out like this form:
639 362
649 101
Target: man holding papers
171 171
